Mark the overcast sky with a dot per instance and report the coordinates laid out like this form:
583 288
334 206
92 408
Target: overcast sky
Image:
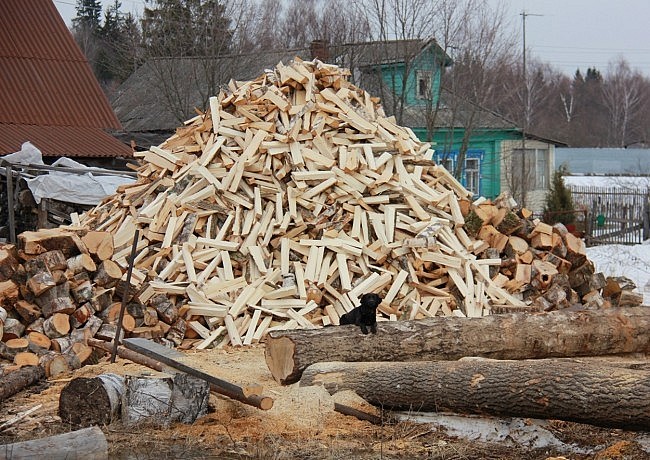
568 33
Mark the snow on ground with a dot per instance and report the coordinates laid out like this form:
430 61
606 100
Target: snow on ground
623 260
624 182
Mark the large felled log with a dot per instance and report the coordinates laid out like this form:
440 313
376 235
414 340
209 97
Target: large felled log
508 336
20 379
552 389
92 401
87 444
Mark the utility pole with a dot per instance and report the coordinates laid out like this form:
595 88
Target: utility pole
526 107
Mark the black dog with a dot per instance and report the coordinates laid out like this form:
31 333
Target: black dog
365 315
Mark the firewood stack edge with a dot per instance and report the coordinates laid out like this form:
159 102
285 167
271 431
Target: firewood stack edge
278 208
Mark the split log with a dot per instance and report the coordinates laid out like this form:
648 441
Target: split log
108 274
166 310
27 311
92 401
40 282
599 395
9 292
18 380
81 262
8 262
87 444
12 329
81 315
82 292
44 240
507 336
53 260
99 244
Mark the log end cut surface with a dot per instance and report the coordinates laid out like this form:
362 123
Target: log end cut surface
84 402
279 356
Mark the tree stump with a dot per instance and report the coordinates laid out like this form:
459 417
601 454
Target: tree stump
92 401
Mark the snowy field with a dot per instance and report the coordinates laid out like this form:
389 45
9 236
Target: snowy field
620 260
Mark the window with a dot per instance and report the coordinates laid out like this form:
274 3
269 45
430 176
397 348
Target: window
423 84
531 167
472 175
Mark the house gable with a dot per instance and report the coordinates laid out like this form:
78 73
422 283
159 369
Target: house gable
50 95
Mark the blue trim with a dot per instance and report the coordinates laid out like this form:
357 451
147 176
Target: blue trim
452 155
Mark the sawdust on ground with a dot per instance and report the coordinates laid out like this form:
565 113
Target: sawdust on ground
301 425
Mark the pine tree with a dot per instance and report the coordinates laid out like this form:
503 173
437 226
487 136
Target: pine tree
85 29
88 15
186 28
118 52
559 202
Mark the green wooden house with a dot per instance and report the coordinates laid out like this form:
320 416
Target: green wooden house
493 153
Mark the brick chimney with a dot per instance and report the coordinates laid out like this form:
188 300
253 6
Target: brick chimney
319 50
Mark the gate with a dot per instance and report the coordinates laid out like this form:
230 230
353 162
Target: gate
615 215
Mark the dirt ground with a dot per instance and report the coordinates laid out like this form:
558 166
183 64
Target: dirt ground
301 425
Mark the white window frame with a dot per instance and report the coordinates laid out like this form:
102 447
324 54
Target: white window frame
540 160
473 175
424 77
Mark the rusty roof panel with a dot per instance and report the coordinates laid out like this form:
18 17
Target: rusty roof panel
58 141
45 79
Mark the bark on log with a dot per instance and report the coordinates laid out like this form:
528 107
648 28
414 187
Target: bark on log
20 379
506 336
551 389
164 398
92 401
86 444
108 274
81 262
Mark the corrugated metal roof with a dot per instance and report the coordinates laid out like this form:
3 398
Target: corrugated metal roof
58 141
45 79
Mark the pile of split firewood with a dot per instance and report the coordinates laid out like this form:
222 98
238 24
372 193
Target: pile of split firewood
278 208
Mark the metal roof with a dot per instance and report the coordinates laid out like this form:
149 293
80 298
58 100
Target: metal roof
45 82
58 141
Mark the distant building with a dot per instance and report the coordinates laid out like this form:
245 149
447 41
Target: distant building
604 161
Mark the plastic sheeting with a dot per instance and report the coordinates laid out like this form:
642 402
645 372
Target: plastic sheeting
88 189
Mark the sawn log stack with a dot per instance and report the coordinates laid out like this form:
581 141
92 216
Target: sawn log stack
277 208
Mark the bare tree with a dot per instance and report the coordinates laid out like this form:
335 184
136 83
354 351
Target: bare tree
474 35
622 98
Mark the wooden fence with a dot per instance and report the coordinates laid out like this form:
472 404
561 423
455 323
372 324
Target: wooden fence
615 215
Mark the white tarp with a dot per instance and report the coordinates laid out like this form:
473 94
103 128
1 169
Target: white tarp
89 188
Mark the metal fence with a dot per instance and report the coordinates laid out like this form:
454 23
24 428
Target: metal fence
614 215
